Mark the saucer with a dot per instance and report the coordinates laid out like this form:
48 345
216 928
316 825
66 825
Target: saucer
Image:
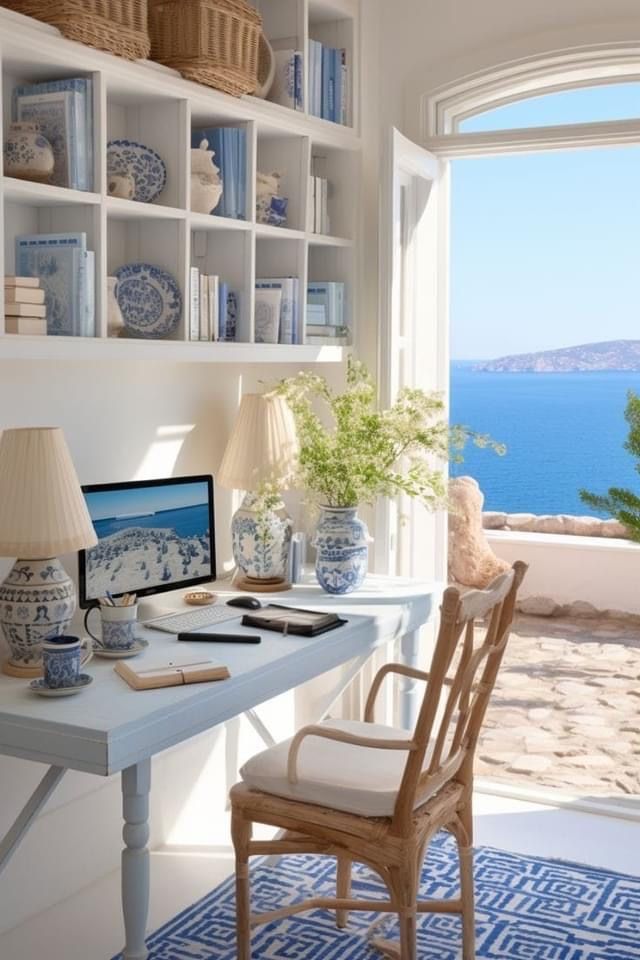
38 686
140 645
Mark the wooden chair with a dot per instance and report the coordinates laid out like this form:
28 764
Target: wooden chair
377 795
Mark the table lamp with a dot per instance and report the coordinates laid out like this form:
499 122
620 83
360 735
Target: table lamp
42 514
260 456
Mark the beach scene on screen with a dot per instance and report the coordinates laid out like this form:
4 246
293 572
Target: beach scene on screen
147 537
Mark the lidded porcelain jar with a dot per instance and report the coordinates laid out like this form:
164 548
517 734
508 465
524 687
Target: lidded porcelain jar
27 154
206 185
342 544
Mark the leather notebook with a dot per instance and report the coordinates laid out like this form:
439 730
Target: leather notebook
303 623
174 673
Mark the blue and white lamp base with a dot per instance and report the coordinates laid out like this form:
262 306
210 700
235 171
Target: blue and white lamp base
37 601
261 540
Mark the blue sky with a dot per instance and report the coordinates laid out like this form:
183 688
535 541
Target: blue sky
545 247
145 500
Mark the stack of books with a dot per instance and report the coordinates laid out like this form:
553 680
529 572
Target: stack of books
66 272
24 307
328 83
318 207
229 145
326 313
213 308
63 110
277 310
287 84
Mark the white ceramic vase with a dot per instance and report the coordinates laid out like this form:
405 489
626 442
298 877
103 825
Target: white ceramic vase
206 185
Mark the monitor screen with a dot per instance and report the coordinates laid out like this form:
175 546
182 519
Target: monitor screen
153 535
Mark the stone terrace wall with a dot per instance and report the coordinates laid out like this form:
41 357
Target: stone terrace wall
568 525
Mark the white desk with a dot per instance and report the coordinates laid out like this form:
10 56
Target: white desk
109 728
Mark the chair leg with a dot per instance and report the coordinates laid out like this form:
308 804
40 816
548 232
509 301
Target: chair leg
241 834
468 903
405 890
343 888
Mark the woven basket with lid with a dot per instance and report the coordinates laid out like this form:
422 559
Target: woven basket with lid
118 26
214 42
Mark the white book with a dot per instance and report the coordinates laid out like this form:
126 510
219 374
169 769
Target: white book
33 326
318 205
21 282
23 294
267 314
204 308
324 206
25 310
214 307
194 303
311 205
55 114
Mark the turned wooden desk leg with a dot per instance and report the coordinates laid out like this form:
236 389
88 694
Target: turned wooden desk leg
136 784
410 690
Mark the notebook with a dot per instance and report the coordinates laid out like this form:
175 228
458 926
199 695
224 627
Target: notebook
173 673
304 623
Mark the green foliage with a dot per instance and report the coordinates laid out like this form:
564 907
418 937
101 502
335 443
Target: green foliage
618 502
366 452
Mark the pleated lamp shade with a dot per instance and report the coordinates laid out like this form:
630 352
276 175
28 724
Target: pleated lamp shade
263 446
42 509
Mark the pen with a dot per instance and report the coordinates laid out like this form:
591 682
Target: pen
220 637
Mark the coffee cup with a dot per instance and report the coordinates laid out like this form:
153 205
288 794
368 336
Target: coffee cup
118 626
62 658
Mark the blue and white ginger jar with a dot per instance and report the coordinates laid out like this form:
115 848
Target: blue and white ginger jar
261 540
342 550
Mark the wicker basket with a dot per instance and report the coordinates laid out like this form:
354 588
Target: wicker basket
119 26
214 42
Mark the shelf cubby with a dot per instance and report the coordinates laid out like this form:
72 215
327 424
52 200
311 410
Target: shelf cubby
333 23
228 255
334 263
156 122
341 172
158 242
201 121
288 156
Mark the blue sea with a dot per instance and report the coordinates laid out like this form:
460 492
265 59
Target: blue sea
186 521
563 432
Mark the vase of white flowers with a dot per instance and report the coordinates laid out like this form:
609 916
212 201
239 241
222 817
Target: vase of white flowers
363 454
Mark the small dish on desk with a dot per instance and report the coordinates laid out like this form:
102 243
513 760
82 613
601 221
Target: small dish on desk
200 598
124 654
38 686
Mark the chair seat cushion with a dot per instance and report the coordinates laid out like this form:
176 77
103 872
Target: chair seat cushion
358 780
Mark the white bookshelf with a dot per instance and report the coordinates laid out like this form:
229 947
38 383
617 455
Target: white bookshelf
155 105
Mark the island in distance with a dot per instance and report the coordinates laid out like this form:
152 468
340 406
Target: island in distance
608 355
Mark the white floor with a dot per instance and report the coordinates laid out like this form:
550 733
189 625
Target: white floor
88 926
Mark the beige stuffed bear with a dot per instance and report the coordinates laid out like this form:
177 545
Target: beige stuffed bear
472 562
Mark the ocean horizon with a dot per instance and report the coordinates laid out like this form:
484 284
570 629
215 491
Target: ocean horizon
563 432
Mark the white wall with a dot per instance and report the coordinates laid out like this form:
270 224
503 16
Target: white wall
603 572
124 421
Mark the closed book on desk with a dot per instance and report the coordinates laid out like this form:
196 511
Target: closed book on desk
174 673
303 623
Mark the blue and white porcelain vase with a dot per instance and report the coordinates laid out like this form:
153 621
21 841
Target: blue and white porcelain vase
261 540
342 549
37 601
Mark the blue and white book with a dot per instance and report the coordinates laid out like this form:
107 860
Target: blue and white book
231 324
194 303
315 78
289 306
283 90
223 298
337 85
59 260
87 284
299 82
63 109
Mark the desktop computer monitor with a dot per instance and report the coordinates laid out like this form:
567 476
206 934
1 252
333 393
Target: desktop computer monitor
153 535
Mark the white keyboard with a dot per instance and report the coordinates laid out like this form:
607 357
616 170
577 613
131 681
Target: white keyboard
195 619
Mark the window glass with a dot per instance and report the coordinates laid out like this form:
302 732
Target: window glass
619 101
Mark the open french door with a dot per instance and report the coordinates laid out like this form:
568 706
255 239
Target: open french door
413 333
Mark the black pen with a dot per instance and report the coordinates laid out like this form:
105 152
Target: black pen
221 637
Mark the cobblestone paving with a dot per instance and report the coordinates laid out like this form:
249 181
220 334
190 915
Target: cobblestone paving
566 708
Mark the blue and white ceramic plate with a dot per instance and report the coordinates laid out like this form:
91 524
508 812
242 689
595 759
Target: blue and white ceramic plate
149 299
39 686
124 654
140 162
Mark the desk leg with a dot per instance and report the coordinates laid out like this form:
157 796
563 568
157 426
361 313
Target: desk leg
409 689
136 784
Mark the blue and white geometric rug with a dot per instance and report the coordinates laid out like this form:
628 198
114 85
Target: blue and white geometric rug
526 909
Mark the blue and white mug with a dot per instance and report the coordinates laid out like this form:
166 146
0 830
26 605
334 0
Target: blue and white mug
118 626
62 658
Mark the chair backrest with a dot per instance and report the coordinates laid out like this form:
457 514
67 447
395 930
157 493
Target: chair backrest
462 676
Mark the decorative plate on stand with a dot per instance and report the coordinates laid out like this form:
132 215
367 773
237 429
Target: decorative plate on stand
129 158
150 300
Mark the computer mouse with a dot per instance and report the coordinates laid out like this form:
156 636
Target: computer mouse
250 603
